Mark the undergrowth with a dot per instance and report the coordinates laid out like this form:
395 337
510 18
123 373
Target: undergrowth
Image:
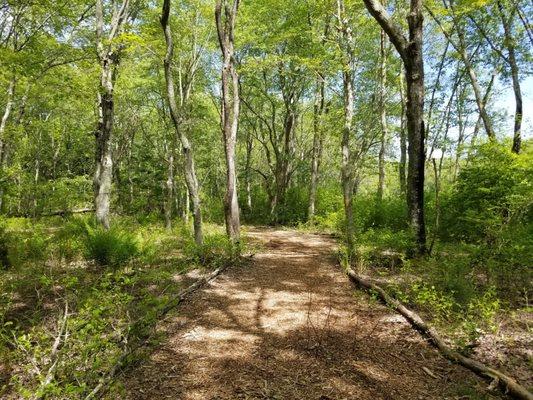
76 298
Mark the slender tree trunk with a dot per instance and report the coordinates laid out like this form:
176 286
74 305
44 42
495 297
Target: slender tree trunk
507 27
225 14
347 167
477 126
347 177
317 145
188 159
186 205
383 115
3 124
403 139
169 187
248 172
477 94
5 117
461 48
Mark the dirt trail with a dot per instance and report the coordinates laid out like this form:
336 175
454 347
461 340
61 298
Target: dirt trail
291 326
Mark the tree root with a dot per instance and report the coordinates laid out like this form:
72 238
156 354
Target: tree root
506 383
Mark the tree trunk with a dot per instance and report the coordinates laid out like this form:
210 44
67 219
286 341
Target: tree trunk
403 139
103 160
317 145
169 187
248 172
414 67
347 169
5 118
477 127
383 115
410 50
3 124
188 159
507 27
225 14
108 57
461 48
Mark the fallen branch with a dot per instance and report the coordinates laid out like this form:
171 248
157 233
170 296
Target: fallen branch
174 302
507 383
54 357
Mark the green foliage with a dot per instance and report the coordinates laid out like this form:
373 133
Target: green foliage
110 310
493 191
113 247
215 251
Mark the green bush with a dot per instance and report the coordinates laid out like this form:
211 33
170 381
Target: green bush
215 251
493 190
112 247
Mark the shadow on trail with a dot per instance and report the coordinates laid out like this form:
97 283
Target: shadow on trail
289 327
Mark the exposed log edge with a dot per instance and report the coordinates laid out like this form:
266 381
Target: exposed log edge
173 303
506 383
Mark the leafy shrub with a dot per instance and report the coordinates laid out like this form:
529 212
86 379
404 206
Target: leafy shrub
493 190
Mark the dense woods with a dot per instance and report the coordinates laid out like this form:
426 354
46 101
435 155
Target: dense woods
132 132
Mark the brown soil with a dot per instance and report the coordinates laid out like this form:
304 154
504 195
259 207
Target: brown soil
291 326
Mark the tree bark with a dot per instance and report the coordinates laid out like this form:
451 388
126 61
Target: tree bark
410 50
188 158
383 114
169 186
108 58
316 159
347 167
511 58
248 172
403 139
225 14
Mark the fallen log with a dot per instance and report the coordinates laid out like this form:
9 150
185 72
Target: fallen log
508 384
119 365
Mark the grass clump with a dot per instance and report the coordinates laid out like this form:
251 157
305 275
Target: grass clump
113 247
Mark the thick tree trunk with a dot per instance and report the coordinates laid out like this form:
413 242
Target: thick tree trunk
109 59
225 14
104 160
383 115
410 50
188 159
414 67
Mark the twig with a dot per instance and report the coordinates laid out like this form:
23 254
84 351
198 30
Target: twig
54 358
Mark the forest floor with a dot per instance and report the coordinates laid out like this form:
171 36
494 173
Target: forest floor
289 325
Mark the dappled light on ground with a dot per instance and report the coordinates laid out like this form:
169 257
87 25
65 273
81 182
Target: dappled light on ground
290 326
